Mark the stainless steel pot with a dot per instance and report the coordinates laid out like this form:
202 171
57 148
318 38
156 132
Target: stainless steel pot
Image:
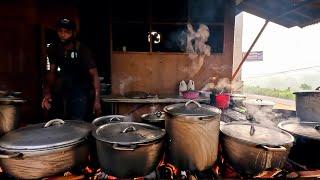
129 149
307 142
9 113
157 119
43 150
252 148
108 119
307 105
193 133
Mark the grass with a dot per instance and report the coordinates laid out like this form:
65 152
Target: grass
284 94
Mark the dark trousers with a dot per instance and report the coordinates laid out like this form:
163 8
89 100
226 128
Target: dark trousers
75 105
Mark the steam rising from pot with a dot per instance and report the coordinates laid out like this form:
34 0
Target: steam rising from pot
196 47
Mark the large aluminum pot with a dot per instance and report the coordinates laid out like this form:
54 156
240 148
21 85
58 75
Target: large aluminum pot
108 119
251 148
9 113
43 150
308 105
193 133
129 149
307 145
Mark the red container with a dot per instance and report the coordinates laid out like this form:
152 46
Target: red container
222 100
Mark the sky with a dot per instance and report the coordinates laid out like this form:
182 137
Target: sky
283 48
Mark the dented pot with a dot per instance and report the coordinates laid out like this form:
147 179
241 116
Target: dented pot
307 105
193 133
45 149
252 148
9 113
307 142
129 149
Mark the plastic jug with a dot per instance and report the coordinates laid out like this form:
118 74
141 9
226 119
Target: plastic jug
191 85
182 87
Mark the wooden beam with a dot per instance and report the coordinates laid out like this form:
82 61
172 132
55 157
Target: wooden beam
248 52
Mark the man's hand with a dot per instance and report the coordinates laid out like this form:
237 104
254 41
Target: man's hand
97 107
46 102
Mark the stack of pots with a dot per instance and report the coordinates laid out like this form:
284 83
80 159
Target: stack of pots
43 150
251 148
129 149
307 142
193 133
307 105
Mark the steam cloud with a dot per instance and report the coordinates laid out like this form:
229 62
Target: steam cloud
196 47
124 84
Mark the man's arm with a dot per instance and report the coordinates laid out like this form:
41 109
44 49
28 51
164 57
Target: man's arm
50 79
96 84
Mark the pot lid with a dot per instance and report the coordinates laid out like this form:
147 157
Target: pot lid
307 92
260 135
136 95
258 102
128 133
50 135
10 100
192 108
109 119
154 117
238 95
302 128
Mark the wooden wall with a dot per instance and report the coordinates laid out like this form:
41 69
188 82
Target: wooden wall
18 53
161 72
21 49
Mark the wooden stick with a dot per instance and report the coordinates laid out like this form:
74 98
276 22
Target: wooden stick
248 52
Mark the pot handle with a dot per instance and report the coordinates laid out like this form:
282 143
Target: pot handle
192 101
10 155
19 101
124 148
158 114
252 130
279 148
114 119
53 121
129 129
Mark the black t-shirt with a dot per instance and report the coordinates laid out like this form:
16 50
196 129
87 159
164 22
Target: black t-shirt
74 66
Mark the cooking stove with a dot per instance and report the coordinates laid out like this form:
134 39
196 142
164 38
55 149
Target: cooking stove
220 170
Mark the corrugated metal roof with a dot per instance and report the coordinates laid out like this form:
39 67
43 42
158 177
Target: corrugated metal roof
288 13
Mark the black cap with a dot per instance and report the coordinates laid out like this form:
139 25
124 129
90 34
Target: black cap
66 23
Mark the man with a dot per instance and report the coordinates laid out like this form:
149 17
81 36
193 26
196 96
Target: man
77 75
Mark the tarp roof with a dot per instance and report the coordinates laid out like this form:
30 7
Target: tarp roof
288 13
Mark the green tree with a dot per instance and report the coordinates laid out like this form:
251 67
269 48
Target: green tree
305 86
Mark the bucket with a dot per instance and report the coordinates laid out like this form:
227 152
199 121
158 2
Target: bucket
222 100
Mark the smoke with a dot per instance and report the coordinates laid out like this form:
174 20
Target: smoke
222 84
154 108
128 118
124 83
196 47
